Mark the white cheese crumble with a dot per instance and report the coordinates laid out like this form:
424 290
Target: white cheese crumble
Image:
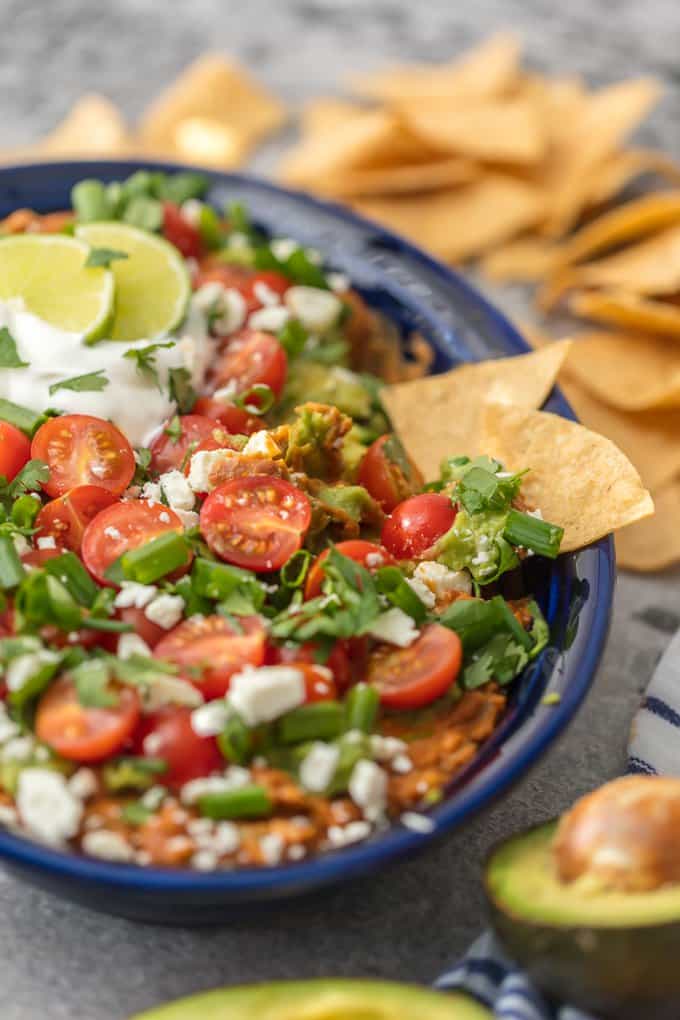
177 490
269 319
233 778
318 766
83 784
152 491
107 845
261 444
46 542
265 294
318 310
368 788
171 690
426 596
440 580
394 626
210 719
261 695
283 247
165 610
189 518
203 464
22 545
134 594
271 847
338 282
344 835
8 728
386 748
24 667
131 644
416 822
47 807
402 764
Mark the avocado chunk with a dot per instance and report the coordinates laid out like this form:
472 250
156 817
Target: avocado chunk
323 999
609 951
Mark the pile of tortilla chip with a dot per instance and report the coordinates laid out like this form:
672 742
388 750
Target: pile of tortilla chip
213 115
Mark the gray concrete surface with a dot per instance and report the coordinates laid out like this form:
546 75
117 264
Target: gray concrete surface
58 961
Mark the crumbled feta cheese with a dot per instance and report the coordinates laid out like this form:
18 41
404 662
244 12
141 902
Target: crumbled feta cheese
46 542
296 852
440 580
226 393
318 310
233 778
171 690
318 766
47 807
226 838
394 626
207 295
165 610
269 319
24 667
271 846
189 518
537 513
238 241
152 491
368 788
83 784
343 835
422 591
416 822
203 464
19 749
283 247
177 490
204 860
191 211
8 816
261 695
402 764
210 719
153 797
8 728
131 644
134 594
107 845
265 294
261 444
22 545
338 282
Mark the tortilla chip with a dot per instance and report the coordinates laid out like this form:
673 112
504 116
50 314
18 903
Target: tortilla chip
577 478
624 167
633 373
611 115
372 138
93 126
406 179
653 544
457 224
561 103
489 69
526 260
422 411
648 438
628 311
325 114
207 141
507 131
213 89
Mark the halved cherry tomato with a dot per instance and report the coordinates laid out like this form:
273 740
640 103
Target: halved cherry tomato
256 522
53 635
178 231
148 631
319 685
15 450
232 418
251 358
81 450
66 518
121 527
367 554
39 557
388 474
168 734
168 453
412 677
243 280
210 650
82 733
417 523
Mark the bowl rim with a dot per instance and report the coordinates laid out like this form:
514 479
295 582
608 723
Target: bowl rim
332 867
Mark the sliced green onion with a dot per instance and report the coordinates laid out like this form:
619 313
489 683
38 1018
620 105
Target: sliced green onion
156 559
24 511
21 417
532 533
64 610
178 188
90 201
135 813
361 707
250 801
392 583
210 228
73 575
144 213
321 720
294 571
264 395
12 570
109 626
293 337
236 741
351 752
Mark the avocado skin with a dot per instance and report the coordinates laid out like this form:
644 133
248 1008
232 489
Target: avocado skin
615 973
290 1000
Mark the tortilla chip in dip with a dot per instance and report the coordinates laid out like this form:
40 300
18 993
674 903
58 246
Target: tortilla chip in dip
628 311
440 415
653 543
577 478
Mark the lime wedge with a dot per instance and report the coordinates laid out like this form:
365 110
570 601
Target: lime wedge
152 283
48 272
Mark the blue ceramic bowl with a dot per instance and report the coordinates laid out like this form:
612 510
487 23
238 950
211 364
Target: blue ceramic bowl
575 592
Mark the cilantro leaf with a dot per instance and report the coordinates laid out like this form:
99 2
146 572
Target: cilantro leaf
103 257
32 475
91 679
9 356
501 659
142 462
173 430
181 390
91 382
145 360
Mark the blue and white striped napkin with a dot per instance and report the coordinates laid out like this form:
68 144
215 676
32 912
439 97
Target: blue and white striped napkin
654 749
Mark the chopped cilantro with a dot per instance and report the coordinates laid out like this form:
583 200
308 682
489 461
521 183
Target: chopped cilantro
91 679
9 356
91 382
145 359
181 390
173 430
103 257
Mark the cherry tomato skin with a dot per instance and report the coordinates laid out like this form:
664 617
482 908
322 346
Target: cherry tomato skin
122 527
384 479
168 454
150 632
256 522
15 450
168 734
408 678
243 280
82 450
251 358
178 231
210 650
85 734
39 557
417 523
229 416
66 517
319 686
356 549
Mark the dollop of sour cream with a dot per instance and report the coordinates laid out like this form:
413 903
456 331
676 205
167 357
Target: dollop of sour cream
131 400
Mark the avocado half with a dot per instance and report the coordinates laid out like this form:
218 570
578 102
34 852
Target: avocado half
324 999
614 953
